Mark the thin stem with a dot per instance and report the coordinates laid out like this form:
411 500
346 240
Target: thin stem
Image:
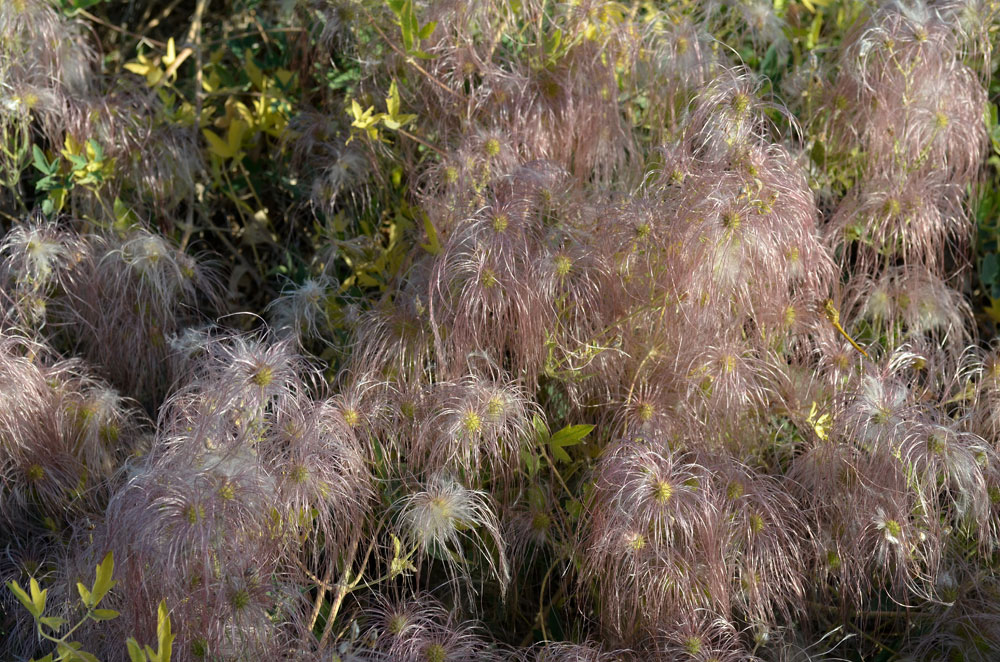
153 22
322 585
240 35
221 234
409 60
556 472
541 602
174 66
194 35
423 142
253 190
62 639
638 371
833 315
343 588
100 21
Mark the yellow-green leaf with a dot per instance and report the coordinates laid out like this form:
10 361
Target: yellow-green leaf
254 73
217 145
812 39
993 310
433 246
171 55
428 29
23 598
84 594
570 435
103 581
58 198
138 68
392 101
164 635
366 281
135 652
284 77
211 82
820 423
968 393
237 129
38 596
52 622
104 614
71 653
241 109
811 5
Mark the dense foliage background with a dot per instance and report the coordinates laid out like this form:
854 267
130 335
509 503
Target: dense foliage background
532 330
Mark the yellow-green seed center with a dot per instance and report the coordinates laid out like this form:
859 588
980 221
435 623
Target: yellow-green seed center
471 422
263 376
663 491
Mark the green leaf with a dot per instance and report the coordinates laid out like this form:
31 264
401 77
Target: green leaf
413 27
408 26
79 162
42 163
68 651
85 595
990 269
356 110
217 145
570 435
433 246
541 429
818 153
552 44
22 596
103 582
104 614
254 73
98 150
392 101
769 65
394 120
72 7
398 122
52 622
38 596
814 29
46 183
135 652
531 461
401 563
124 216
164 635
427 30
992 126
79 656
366 120
234 138
57 198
